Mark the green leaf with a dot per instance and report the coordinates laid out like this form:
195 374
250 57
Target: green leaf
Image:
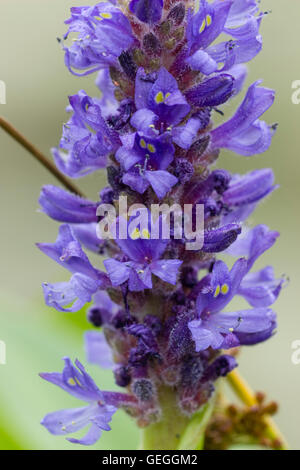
247 447
193 437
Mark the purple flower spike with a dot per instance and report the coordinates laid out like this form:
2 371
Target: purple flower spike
165 70
147 11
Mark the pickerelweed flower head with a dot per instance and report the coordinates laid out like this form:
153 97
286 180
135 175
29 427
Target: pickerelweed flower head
165 69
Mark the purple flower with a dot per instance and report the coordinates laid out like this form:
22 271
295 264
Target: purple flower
84 283
161 95
249 188
261 288
102 33
245 192
244 133
208 23
147 11
144 259
253 243
86 151
86 234
98 413
66 207
219 330
144 161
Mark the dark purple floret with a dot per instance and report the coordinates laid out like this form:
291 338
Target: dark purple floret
212 92
95 317
177 14
220 368
122 376
119 120
189 277
122 319
184 170
143 389
107 195
128 65
152 45
217 240
192 370
147 11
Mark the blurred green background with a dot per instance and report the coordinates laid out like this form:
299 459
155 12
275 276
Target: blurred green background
31 65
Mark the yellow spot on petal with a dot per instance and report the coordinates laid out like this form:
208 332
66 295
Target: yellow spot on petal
225 289
159 97
208 20
217 291
146 233
202 27
231 330
63 428
135 234
143 143
151 148
106 16
71 382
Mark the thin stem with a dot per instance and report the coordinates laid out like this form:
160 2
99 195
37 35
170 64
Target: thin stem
36 153
247 396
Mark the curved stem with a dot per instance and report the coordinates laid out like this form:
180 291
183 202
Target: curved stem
36 153
247 396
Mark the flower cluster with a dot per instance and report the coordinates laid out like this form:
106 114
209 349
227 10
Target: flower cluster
164 73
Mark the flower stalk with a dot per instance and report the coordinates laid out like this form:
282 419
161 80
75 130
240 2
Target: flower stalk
38 155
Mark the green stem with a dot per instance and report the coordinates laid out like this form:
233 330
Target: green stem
176 430
167 433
